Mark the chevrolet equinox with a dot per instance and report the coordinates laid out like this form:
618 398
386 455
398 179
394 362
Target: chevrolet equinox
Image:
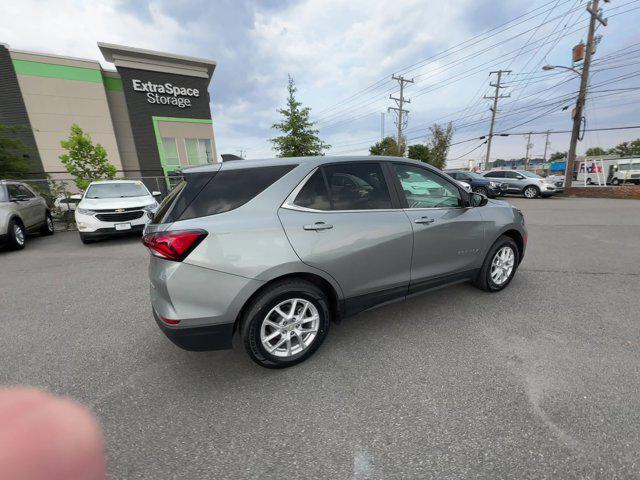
276 249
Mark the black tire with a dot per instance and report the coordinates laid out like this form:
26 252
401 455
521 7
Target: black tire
481 190
484 280
535 191
589 182
257 311
615 181
85 239
16 235
47 228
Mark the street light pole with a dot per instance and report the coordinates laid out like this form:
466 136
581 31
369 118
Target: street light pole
592 8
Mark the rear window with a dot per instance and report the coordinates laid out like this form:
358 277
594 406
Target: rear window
228 190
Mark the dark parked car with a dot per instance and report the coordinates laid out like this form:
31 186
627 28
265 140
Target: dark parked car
479 184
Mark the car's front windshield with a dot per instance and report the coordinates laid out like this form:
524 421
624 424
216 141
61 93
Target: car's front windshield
116 190
530 174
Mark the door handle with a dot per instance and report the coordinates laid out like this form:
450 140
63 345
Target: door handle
424 220
318 226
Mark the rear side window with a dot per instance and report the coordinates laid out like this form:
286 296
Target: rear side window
231 189
350 186
494 174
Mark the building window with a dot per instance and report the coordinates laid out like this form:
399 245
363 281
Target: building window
198 151
170 149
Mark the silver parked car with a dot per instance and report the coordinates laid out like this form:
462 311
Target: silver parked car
22 211
276 249
524 182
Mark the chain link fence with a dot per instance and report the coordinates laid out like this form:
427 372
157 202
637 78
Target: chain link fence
62 195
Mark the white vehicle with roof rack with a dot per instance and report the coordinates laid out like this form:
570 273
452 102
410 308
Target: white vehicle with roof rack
114 207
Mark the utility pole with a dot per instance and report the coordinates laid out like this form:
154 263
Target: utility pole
381 126
401 118
241 153
494 109
529 147
546 145
592 8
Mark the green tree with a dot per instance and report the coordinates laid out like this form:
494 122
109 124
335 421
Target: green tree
300 139
595 152
84 160
420 152
387 146
557 156
14 162
439 144
626 149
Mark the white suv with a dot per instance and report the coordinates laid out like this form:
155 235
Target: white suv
112 207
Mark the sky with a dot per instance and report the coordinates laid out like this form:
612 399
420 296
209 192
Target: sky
342 55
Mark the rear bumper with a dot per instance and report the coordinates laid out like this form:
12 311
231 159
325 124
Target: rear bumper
210 337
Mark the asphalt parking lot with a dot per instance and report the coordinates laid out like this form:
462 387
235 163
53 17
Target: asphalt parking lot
541 380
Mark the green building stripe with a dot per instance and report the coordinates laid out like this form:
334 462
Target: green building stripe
64 72
112 84
156 129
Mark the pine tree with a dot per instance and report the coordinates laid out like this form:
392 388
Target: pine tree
300 139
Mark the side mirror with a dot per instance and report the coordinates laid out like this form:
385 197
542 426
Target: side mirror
156 193
477 200
76 196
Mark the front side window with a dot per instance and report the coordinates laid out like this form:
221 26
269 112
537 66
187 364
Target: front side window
170 150
425 189
26 192
623 166
117 190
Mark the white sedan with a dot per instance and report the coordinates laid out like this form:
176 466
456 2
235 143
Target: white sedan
113 207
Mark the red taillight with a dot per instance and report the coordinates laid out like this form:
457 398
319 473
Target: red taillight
173 245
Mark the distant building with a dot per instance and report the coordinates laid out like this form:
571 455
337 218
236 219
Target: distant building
152 114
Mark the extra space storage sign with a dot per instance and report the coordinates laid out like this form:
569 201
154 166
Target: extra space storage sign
166 93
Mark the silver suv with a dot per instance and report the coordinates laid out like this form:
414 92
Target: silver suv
524 182
276 249
22 211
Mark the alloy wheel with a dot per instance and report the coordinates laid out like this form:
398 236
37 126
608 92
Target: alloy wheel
18 234
290 327
530 192
502 265
49 223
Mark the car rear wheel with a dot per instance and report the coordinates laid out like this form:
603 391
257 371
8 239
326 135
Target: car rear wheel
615 181
285 324
17 235
47 228
499 266
531 192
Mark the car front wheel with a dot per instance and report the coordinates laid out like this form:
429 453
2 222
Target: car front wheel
285 324
482 191
531 192
17 235
499 266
